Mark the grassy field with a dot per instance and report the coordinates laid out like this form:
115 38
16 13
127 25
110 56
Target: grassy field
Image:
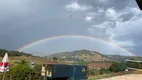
38 60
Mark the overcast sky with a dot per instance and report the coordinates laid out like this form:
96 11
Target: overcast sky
25 21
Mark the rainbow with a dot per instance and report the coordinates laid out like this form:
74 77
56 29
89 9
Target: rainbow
67 36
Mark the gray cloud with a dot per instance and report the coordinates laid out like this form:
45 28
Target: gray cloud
127 16
25 21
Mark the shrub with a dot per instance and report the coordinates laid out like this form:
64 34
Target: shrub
20 71
118 66
102 71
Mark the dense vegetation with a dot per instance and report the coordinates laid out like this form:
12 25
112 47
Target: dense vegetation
12 53
23 71
94 72
134 65
118 66
123 58
115 67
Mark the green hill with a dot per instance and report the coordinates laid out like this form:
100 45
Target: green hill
13 53
90 56
82 55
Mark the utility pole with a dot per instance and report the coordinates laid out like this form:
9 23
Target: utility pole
106 66
74 54
122 67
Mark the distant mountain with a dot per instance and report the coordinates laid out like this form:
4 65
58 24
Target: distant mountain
122 58
90 56
82 55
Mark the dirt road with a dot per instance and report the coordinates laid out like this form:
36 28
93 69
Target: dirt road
126 77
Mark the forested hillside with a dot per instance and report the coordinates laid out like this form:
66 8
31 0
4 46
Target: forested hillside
12 53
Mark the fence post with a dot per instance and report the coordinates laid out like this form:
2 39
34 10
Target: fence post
10 76
3 76
29 76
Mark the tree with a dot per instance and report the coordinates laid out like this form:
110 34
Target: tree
22 62
37 69
20 71
13 53
23 70
102 71
55 59
117 66
82 62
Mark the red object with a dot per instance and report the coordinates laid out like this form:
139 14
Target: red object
4 64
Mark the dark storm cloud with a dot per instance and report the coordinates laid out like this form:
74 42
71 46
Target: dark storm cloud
127 16
110 12
117 4
41 19
25 21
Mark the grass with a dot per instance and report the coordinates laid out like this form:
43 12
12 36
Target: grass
97 77
38 60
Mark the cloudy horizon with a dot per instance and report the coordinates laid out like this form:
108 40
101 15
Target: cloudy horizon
26 21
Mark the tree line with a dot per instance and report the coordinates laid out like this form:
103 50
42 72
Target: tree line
13 53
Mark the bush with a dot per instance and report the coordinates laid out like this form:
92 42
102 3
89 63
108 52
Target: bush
134 65
118 66
20 71
37 69
102 71
94 72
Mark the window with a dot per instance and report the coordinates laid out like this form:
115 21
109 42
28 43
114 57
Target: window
83 70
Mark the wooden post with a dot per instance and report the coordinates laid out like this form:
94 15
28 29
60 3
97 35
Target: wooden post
11 76
29 76
3 76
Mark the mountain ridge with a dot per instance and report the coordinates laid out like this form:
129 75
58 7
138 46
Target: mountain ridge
82 55
90 56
